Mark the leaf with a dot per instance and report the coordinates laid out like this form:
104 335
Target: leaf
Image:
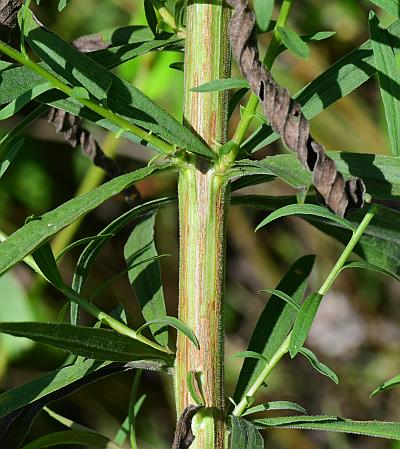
303 322
249 354
275 405
221 84
62 4
319 366
390 6
304 209
389 78
244 435
250 180
92 250
151 17
370 266
123 99
30 236
334 424
72 437
274 323
22 100
177 324
312 37
281 295
379 245
45 260
293 42
235 100
80 92
80 242
5 161
263 10
391 383
145 278
95 343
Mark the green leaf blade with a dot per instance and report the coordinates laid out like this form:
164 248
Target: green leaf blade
245 435
319 366
293 42
263 10
221 84
390 383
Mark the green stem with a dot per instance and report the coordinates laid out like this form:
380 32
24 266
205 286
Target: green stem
252 104
348 250
122 123
284 348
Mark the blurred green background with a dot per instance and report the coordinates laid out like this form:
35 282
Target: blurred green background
357 332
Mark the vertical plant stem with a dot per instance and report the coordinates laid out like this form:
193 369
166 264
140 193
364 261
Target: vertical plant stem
203 196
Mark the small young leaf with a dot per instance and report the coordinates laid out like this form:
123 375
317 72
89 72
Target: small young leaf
263 10
249 354
62 4
177 324
222 84
334 424
312 37
393 382
244 435
281 295
89 342
192 385
275 405
293 42
303 322
319 366
305 209
370 266
80 92
235 99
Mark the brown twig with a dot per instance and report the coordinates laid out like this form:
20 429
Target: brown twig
287 119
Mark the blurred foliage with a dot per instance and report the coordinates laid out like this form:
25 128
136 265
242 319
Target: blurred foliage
357 332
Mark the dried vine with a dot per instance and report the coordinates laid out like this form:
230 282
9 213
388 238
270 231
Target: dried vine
287 119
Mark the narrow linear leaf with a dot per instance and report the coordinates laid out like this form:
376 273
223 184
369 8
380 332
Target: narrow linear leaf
389 77
72 437
89 342
319 366
249 354
391 383
293 42
334 424
45 260
222 84
370 266
275 405
177 324
274 323
5 161
305 209
80 242
281 295
312 37
30 236
145 278
303 322
244 435
151 17
263 10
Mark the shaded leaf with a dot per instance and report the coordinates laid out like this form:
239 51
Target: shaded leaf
389 78
244 435
30 236
319 366
334 424
281 295
145 278
249 354
90 342
45 260
303 322
6 160
275 405
274 323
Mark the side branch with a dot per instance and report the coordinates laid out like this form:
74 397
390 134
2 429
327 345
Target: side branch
287 119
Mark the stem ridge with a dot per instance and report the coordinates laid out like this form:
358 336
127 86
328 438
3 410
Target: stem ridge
287 119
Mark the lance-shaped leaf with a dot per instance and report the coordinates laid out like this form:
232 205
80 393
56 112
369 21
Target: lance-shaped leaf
293 42
221 84
122 98
30 236
274 323
390 383
275 405
384 45
319 366
263 10
244 435
96 343
334 424
145 278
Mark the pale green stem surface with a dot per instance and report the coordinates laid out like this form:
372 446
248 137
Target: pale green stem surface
284 348
203 199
